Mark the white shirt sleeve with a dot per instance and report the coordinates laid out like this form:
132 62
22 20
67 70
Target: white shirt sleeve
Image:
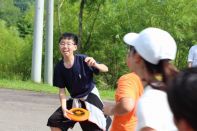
190 55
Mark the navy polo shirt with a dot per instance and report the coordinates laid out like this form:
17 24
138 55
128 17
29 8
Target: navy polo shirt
78 79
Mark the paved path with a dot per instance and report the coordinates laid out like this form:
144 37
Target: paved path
26 110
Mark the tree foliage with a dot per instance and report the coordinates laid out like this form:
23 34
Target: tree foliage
11 46
103 24
8 12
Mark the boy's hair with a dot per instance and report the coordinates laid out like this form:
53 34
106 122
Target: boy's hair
182 96
71 36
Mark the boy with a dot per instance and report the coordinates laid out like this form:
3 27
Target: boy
75 72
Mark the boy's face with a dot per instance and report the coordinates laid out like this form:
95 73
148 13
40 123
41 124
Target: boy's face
67 47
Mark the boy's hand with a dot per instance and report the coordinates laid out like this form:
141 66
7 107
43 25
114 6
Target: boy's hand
90 61
66 112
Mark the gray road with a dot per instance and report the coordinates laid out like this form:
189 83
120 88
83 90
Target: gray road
27 111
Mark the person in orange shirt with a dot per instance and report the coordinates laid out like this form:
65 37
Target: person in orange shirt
129 89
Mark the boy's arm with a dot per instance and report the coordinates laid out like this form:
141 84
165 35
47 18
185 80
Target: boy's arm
101 67
91 62
62 96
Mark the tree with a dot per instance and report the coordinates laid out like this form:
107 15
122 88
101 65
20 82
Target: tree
103 25
11 46
23 5
25 22
8 12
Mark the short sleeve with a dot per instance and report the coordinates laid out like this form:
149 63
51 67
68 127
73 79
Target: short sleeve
95 70
57 77
82 57
190 55
127 87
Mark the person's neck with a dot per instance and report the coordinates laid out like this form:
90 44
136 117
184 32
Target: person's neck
145 76
69 61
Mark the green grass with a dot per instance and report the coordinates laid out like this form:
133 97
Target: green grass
31 86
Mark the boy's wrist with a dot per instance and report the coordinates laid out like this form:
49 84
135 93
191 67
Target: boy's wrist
95 65
64 111
64 108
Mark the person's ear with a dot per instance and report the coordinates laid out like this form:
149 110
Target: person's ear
75 47
138 58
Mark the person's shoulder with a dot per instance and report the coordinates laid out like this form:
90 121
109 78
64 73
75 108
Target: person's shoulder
80 59
124 77
149 97
129 79
80 55
129 76
193 47
59 63
151 93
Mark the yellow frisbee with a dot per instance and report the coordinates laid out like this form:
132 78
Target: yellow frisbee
79 114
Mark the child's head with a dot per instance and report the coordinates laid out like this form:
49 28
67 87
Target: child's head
156 47
152 44
68 44
182 98
69 36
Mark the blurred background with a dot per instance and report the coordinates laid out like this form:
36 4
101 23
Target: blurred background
100 25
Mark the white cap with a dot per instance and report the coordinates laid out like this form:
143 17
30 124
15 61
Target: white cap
152 44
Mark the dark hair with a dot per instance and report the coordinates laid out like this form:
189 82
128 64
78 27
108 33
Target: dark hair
182 96
69 36
132 48
164 68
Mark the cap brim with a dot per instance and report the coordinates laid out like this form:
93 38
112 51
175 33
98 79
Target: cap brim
130 38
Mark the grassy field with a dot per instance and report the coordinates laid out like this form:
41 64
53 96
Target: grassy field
31 86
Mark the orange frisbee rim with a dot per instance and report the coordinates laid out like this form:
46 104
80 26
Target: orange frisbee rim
79 114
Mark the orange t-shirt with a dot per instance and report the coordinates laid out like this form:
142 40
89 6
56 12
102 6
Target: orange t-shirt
130 86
